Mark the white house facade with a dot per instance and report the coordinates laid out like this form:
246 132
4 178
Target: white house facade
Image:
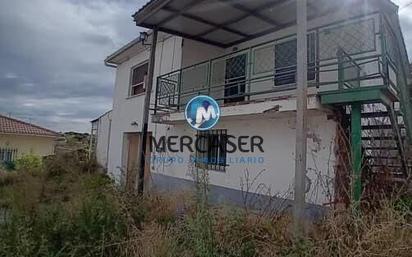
243 55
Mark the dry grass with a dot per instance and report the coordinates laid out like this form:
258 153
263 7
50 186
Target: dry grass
154 240
66 210
385 231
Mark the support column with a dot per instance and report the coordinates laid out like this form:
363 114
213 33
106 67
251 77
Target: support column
301 109
143 139
356 145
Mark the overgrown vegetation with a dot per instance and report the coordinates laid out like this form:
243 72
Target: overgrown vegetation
62 207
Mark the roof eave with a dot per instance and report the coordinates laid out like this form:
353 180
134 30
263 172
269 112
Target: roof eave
104 114
109 61
31 135
147 10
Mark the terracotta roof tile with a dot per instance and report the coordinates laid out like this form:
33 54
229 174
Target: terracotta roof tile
13 126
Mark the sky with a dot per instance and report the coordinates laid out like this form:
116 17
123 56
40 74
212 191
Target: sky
52 52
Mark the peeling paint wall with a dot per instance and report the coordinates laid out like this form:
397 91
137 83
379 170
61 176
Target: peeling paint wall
276 174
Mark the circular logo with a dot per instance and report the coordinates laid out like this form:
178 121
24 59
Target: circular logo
202 112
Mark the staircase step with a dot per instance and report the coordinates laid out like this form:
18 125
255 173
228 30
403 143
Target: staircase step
374 114
382 157
368 138
378 127
388 166
381 148
378 114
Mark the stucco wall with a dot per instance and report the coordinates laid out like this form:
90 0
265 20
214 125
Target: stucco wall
194 52
276 173
41 146
127 111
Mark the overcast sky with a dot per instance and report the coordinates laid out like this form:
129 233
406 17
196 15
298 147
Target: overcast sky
52 52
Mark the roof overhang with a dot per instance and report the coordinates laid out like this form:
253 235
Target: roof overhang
32 135
131 49
101 116
123 53
225 23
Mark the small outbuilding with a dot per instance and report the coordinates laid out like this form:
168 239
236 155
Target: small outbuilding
18 138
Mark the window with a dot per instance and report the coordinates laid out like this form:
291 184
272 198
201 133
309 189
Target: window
7 155
235 75
138 77
286 61
212 149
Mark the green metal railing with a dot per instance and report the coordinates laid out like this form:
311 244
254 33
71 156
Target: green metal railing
344 55
349 72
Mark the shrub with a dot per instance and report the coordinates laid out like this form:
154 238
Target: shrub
70 210
74 214
8 165
29 163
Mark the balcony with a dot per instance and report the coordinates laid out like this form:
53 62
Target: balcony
344 58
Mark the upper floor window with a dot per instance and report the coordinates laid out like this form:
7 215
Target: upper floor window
138 78
286 61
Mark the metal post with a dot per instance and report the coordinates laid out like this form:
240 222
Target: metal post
249 75
179 89
341 72
156 95
356 144
385 67
301 108
143 139
209 77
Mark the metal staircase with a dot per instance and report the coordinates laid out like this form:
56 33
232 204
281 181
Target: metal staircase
378 127
384 140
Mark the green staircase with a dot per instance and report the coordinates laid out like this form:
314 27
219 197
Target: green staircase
378 130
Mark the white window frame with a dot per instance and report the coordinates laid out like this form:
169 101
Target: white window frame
140 84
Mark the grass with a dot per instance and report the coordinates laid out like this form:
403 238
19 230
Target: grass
62 207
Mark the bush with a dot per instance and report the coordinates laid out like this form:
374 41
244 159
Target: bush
73 214
29 163
70 210
8 165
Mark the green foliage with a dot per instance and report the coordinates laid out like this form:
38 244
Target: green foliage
9 165
404 204
70 210
200 234
29 163
300 248
73 213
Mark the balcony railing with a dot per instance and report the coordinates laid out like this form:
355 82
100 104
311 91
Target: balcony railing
340 56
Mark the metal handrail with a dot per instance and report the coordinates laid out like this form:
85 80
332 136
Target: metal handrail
343 62
228 85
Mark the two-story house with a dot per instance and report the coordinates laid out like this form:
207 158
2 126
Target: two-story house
244 55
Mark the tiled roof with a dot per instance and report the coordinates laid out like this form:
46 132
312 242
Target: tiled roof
18 127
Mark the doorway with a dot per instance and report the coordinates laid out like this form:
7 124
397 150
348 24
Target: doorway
132 144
